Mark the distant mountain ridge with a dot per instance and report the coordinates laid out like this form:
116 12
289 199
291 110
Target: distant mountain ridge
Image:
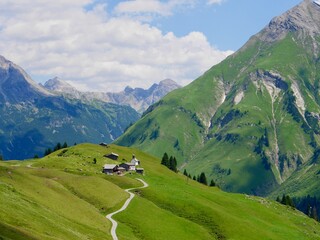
138 98
251 122
33 118
16 84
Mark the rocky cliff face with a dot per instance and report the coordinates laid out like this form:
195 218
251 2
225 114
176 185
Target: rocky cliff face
137 98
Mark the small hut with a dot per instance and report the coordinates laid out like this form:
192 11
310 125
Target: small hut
140 171
112 156
109 169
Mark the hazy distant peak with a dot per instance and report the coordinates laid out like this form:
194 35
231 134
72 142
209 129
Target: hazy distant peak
128 89
168 81
58 85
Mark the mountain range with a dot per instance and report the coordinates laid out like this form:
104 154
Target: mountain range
252 121
138 98
34 119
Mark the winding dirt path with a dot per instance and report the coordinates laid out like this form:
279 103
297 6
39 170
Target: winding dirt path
125 205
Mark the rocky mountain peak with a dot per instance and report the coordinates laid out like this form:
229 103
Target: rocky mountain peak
58 85
303 18
4 63
16 85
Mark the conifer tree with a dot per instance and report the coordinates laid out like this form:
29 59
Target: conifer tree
65 145
203 178
57 147
173 164
283 199
212 183
289 201
185 172
165 160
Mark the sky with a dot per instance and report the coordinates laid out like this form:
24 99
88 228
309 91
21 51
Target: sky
106 45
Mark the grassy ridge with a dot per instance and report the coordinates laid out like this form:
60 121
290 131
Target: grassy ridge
204 126
65 196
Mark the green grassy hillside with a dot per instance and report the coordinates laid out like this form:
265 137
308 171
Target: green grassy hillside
254 116
65 196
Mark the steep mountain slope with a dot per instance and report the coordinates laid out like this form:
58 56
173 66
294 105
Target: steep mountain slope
33 119
251 121
138 98
54 198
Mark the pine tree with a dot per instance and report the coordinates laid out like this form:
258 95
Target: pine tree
57 147
289 201
283 200
173 164
189 176
65 145
212 183
165 160
1 157
203 179
278 199
185 172
194 178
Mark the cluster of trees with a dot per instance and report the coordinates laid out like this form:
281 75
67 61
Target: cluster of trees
308 205
200 178
286 200
170 163
56 148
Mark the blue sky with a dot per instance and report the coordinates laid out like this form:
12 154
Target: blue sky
228 25
106 45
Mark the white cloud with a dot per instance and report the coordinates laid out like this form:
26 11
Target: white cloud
97 51
210 2
156 7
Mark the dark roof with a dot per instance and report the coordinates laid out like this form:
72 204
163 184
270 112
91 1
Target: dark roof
129 164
